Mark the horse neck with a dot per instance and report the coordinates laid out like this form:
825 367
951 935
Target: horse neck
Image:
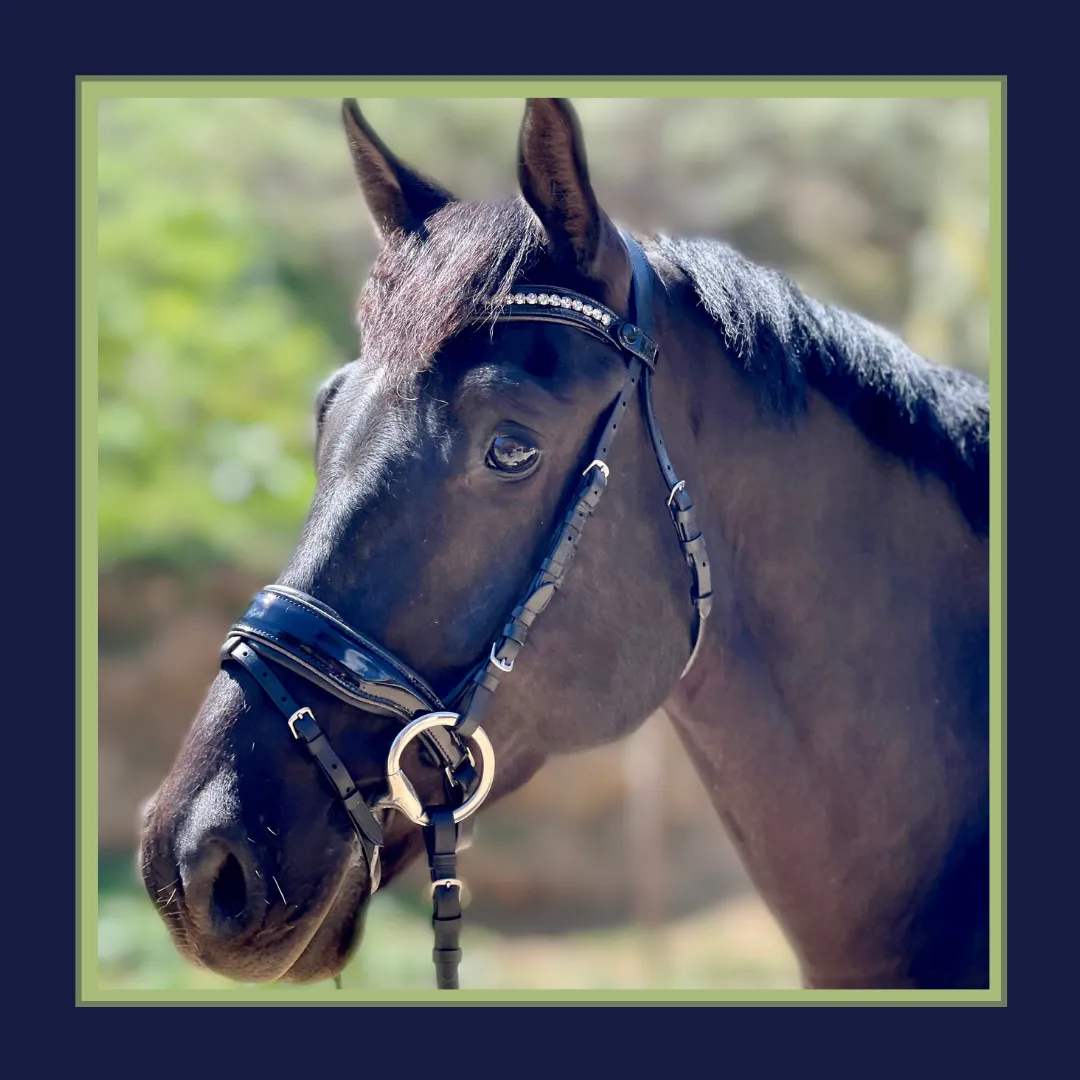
838 711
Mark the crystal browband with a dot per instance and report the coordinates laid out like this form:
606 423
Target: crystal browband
549 305
549 299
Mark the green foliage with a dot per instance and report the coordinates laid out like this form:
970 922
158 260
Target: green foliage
208 361
232 242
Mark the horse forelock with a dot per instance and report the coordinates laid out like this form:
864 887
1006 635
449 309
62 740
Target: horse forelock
427 286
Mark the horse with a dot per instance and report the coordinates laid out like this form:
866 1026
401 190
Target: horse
824 660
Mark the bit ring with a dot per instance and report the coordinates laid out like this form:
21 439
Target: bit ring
403 795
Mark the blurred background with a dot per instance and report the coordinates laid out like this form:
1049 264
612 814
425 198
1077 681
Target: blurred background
232 244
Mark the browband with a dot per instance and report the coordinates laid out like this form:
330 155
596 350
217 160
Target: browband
551 304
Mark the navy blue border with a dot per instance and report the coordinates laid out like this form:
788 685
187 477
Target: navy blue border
38 527
40 502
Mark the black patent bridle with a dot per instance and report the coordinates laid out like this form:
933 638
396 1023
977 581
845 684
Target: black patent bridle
297 632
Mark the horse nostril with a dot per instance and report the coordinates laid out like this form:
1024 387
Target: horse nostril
229 896
220 896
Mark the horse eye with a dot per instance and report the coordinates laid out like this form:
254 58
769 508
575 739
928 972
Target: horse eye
509 454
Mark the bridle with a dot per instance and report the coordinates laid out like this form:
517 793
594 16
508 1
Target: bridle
295 631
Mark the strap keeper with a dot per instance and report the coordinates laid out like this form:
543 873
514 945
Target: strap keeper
637 343
694 545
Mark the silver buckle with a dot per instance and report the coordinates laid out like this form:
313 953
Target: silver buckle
601 465
296 716
675 491
447 882
502 665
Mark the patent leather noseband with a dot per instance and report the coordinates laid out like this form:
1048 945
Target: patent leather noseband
295 631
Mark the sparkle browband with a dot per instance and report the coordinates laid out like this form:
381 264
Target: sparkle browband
546 304
567 300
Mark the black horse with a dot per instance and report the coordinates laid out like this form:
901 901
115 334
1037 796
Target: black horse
837 707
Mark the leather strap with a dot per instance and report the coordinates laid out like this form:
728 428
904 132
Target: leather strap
679 503
547 303
312 640
554 568
441 838
305 730
635 336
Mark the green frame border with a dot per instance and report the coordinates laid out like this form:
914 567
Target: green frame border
89 90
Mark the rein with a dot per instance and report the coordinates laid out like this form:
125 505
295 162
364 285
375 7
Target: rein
295 631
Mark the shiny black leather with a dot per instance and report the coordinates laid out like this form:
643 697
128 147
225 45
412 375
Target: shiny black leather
679 503
312 640
621 333
304 727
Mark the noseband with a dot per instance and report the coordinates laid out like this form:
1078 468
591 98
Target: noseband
295 631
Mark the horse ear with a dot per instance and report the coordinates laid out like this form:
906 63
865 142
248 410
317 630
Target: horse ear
554 180
396 194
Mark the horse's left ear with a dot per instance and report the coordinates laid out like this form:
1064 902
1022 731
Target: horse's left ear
554 180
396 194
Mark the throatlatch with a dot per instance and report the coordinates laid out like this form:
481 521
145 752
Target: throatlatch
303 635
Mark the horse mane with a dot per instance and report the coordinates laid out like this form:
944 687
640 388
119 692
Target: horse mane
427 286
935 418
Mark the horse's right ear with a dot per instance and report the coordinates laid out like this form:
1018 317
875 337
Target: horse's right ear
397 195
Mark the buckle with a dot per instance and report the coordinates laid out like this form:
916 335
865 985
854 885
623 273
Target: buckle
502 665
299 715
447 882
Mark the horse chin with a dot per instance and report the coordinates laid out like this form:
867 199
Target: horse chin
338 935
334 942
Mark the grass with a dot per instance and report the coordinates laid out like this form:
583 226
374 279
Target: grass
734 945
